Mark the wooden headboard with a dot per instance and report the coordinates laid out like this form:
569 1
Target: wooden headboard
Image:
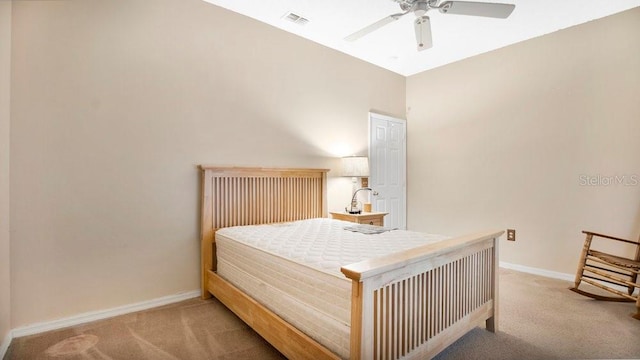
233 196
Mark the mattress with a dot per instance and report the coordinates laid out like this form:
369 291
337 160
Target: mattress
293 269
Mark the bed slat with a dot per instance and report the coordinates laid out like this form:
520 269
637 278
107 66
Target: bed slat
250 196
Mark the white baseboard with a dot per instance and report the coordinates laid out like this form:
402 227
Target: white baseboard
537 271
99 315
5 344
550 274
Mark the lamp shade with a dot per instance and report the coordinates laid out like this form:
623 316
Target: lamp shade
355 166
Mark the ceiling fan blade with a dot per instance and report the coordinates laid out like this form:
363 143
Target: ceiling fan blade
493 10
423 32
373 27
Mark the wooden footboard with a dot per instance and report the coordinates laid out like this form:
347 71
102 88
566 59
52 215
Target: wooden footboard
411 304
416 303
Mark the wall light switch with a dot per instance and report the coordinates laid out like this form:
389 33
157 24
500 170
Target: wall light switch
511 234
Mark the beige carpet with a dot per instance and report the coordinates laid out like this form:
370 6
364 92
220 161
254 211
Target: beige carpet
539 319
192 329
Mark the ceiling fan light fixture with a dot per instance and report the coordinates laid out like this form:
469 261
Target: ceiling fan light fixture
423 32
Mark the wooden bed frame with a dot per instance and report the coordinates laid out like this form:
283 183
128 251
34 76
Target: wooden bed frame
411 304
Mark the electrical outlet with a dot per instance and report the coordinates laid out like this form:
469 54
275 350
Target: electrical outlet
511 234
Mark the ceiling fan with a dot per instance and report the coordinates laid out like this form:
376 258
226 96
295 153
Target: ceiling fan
422 23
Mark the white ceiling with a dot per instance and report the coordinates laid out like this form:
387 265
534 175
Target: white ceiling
393 47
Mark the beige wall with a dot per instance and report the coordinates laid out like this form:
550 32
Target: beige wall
508 138
5 76
114 103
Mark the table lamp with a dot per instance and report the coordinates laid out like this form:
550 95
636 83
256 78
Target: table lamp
356 167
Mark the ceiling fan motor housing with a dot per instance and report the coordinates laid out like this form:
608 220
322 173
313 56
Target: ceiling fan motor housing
420 8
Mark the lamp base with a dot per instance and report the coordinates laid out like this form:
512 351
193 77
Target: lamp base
353 209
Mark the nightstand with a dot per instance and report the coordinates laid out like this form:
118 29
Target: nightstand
372 218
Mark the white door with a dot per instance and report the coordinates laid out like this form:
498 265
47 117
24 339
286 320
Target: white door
388 162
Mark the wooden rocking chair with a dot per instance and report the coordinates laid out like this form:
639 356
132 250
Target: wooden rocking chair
599 269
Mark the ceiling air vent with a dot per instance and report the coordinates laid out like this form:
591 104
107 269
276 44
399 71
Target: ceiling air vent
295 18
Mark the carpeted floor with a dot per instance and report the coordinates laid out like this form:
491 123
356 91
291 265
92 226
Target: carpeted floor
191 329
539 319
